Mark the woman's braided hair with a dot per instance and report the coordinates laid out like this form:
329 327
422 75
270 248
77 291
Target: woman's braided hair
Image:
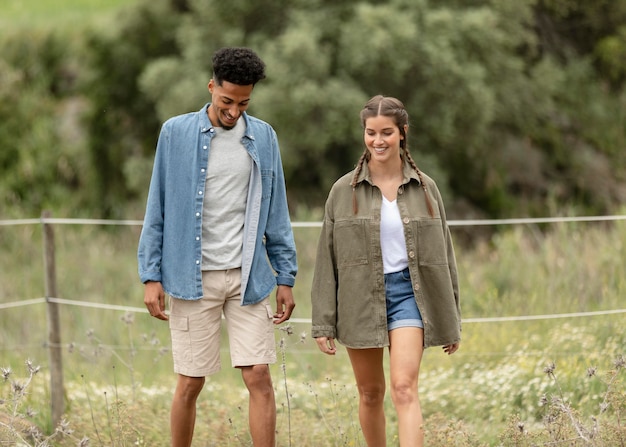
394 109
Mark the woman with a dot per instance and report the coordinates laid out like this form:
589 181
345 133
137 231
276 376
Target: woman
385 273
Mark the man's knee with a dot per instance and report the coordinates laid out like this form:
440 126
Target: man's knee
257 378
188 388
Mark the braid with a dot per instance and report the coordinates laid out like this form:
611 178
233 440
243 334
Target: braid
357 171
410 160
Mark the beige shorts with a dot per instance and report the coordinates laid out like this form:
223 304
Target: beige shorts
195 327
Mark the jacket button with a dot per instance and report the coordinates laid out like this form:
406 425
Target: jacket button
405 220
416 286
411 254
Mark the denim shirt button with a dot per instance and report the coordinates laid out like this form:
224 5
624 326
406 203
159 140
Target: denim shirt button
197 214
197 238
197 262
200 192
205 147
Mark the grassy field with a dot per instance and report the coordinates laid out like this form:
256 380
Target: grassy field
118 367
47 14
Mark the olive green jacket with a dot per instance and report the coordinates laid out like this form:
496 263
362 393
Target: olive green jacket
348 290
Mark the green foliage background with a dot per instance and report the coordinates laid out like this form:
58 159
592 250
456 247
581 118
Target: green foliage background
517 106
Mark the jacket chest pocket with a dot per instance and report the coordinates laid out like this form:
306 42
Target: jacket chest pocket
431 242
350 243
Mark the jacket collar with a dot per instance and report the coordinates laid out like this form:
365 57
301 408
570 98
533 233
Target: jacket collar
408 174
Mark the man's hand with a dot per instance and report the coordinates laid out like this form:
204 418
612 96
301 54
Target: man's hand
154 299
284 304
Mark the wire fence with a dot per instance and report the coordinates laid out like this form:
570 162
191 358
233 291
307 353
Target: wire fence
451 223
52 301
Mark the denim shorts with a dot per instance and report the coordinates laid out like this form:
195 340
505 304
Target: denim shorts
402 309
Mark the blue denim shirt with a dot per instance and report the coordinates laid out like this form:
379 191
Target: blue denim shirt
170 245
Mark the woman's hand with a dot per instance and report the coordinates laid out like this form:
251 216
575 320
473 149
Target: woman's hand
326 345
451 349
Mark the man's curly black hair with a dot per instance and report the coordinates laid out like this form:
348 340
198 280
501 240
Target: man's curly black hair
238 65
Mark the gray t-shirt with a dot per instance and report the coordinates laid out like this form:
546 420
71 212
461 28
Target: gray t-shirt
225 197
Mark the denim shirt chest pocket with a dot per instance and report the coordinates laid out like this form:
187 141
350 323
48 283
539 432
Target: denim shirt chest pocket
267 179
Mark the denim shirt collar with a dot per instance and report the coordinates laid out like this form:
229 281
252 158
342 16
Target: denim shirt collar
206 125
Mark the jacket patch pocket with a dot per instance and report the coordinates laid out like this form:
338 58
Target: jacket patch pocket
431 243
350 242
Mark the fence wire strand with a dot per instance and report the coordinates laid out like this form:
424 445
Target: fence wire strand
452 223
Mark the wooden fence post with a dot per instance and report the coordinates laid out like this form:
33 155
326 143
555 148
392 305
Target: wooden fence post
54 328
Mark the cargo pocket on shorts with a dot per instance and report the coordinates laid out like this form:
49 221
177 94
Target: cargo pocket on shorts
271 344
181 340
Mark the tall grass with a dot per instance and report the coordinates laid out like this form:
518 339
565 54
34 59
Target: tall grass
118 367
48 14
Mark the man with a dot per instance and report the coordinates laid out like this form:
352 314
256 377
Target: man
217 239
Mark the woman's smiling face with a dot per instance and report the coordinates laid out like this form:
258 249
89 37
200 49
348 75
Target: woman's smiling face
382 138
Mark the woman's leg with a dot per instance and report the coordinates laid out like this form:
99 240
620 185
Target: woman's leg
405 350
367 365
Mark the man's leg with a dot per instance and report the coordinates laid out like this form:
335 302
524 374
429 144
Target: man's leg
195 326
262 406
253 349
183 415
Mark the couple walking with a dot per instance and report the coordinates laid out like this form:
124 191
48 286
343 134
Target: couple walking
217 240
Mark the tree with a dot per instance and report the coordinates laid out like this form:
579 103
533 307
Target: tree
515 105
122 122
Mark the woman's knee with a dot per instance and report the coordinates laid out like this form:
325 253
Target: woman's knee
403 392
372 395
